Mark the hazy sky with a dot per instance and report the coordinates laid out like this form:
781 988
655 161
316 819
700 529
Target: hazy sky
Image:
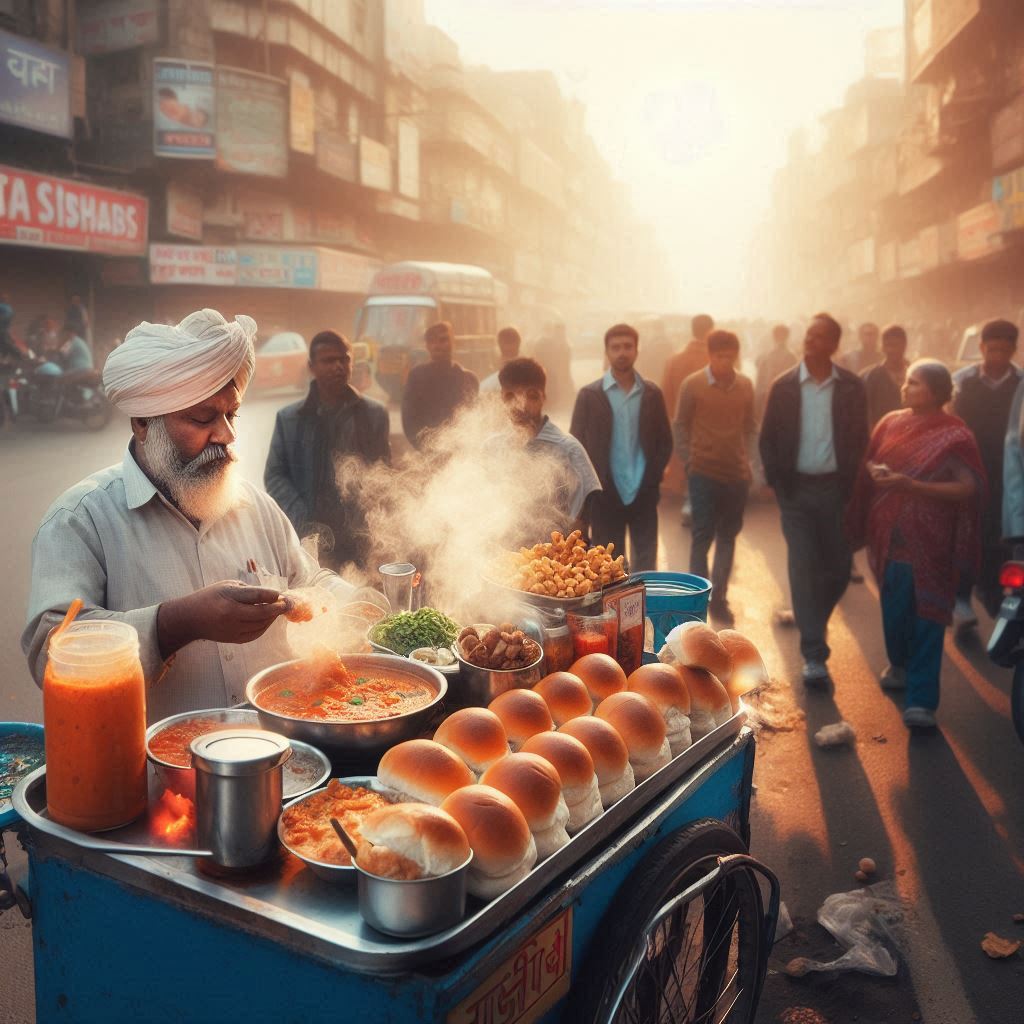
691 102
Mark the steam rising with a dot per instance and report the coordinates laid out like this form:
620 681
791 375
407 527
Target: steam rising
471 491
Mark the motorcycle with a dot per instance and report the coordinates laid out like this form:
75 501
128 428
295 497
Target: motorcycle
47 394
1006 644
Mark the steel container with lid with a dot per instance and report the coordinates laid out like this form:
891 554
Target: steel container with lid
238 794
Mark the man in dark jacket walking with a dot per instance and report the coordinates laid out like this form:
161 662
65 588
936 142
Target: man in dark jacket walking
435 390
982 397
312 439
621 422
813 437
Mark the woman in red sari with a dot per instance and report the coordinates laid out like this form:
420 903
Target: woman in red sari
916 507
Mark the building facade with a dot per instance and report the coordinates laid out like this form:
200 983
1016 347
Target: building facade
268 156
910 206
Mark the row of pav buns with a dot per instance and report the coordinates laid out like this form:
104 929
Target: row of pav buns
535 767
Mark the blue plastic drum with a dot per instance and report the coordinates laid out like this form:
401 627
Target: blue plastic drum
673 598
21 752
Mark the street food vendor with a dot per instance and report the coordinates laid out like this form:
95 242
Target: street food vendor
164 540
523 384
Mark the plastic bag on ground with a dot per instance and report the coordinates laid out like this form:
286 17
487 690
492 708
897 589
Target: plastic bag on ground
784 925
866 922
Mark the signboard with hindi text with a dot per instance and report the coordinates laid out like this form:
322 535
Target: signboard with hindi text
1008 196
35 86
184 212
193 264
979 232
528 984
184 112
252 123
56 213
117 25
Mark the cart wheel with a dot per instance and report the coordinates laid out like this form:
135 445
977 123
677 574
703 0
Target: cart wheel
688 942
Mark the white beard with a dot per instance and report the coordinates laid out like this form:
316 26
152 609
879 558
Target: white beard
204 488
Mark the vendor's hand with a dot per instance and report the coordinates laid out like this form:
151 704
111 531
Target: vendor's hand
228 612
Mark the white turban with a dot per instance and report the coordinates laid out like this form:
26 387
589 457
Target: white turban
160 369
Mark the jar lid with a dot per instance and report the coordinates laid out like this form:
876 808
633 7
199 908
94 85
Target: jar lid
239 751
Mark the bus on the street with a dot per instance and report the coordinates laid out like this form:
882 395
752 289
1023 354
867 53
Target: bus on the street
405 298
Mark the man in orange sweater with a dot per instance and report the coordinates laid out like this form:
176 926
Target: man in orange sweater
692 358
714 431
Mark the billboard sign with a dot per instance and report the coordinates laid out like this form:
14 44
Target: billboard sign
184 212
184 111
117 25
272 267
193 264
56 213
252 123
35 86
978 231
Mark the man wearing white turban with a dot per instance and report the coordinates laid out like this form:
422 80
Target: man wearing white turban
162 540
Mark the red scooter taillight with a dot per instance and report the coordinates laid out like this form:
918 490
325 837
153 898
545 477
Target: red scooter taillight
1012 576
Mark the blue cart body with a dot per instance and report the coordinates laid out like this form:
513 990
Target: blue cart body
117 941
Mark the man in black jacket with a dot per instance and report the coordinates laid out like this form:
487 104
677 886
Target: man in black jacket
621 422
813 437
436 390
311 440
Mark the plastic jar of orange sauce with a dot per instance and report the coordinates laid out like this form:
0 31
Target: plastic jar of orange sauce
94 716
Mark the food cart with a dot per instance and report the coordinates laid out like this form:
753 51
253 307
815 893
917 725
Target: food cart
653 911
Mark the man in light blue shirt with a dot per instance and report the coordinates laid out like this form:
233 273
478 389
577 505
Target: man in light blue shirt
627 457
621 421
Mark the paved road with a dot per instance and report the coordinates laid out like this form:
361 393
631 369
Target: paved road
942 815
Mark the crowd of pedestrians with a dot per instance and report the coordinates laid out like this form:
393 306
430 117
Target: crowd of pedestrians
862 449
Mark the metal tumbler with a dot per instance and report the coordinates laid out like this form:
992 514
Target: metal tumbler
238 794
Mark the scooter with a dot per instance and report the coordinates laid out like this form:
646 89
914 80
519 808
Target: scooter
47 395
1006 644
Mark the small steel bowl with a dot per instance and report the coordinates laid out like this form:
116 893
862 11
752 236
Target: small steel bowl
409 908
305 770
337 873
370 737
477 686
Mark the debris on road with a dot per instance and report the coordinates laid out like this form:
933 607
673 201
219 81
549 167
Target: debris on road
784 925
998 948
880 738
861 876
865 922
867 865
839 734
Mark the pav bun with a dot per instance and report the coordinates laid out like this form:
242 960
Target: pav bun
504 850
610 755
534 786
664 687
701 648
641 727
601 674
523 713
423 771
710 706
476 735
748 668
575 768
421 833
566 696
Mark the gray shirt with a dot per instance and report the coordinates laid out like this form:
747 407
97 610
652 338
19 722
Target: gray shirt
114 541
581 479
